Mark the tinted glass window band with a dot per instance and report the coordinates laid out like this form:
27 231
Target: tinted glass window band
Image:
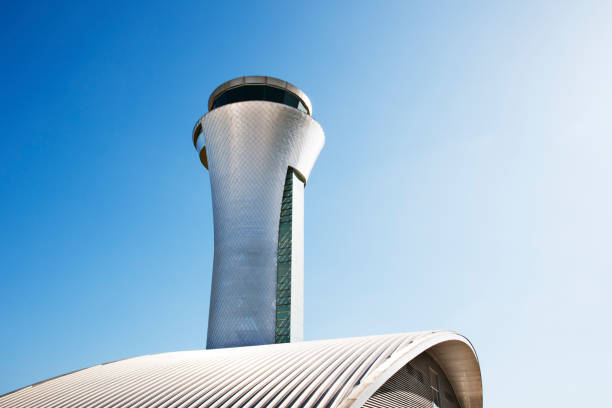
283 272
259 93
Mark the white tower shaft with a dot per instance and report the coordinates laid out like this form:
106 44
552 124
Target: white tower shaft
259 155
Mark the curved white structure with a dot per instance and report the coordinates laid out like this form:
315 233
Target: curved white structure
341 373
259 154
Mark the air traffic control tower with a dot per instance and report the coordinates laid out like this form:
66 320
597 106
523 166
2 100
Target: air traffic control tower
259 144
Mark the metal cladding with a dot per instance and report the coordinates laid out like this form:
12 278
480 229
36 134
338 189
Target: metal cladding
341 373
249 146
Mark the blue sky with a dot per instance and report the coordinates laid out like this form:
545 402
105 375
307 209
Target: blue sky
465 183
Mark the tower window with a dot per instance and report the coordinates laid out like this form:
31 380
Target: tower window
283 272
259 93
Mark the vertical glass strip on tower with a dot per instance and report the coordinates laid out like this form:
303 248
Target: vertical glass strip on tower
283 271
259 151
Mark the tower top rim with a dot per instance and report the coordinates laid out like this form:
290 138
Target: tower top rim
259 80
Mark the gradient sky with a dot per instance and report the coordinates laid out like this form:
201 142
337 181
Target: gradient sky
465 183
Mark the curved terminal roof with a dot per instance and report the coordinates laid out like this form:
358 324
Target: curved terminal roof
327 373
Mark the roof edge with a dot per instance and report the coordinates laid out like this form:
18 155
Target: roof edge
446 348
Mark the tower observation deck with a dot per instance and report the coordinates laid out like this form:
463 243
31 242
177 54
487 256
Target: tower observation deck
259 143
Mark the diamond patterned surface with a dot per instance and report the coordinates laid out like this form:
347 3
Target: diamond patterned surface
249 146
